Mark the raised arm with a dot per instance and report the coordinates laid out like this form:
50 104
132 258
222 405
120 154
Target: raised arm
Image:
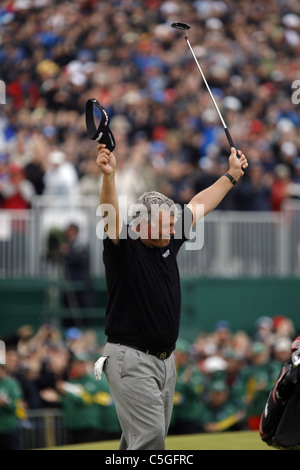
211 197
108 196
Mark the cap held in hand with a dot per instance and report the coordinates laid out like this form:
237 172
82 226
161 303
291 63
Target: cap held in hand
102 134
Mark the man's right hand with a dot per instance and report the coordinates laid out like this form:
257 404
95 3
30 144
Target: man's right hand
106 160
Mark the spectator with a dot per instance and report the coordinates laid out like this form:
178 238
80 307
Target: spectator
232 375
75 258
53 367
281 350
11 412
89 183
16 192
22 334
218 414
264 330
4 176
134 168
280 187
188 393
77 395
60 177
283 327
241 343
255 193
25 377
36 166
258 377
222 335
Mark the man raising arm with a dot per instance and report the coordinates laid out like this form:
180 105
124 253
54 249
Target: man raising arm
106 161
213 195
144 301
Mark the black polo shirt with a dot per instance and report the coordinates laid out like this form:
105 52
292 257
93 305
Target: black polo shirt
143 285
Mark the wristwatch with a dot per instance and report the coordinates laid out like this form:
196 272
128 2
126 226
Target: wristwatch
233 181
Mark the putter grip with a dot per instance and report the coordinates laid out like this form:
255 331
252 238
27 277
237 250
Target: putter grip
229 138
230 141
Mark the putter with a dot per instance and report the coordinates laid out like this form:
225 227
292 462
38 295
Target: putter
185 27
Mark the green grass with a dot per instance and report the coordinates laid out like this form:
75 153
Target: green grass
241 440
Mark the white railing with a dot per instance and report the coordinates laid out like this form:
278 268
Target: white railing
17 243
238 244
235 244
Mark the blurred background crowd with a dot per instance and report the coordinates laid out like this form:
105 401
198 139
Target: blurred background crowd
223 379
57 54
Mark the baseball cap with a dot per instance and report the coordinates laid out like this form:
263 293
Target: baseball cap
182 345
222 325
283 344
218 386
56 157
80 357
73 333
264 322
102 133
258 347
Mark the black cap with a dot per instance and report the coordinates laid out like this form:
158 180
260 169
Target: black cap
103 134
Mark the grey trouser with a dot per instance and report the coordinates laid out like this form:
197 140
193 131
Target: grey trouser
142 387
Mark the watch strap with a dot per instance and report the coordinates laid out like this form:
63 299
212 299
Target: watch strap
233 181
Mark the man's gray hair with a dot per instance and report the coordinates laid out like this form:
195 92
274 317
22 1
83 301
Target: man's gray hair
149 205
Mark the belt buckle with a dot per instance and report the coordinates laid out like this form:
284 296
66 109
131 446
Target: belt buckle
162 355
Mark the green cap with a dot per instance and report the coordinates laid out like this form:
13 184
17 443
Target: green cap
217 386
182 345
258 348
80 356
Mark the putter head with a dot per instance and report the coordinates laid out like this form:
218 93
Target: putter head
182 26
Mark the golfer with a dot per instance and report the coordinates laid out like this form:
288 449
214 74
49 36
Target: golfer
144 300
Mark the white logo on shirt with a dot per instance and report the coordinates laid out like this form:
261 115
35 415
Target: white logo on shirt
166 253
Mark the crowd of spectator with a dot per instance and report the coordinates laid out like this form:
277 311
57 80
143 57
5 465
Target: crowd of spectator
223 379
57 54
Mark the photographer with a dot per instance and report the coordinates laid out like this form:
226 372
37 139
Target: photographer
279 426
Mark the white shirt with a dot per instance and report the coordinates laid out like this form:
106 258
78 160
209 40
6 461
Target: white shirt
61 180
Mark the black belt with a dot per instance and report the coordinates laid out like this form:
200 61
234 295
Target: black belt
159 354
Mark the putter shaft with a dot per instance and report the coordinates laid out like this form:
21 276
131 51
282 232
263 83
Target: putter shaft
206 84
185 27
